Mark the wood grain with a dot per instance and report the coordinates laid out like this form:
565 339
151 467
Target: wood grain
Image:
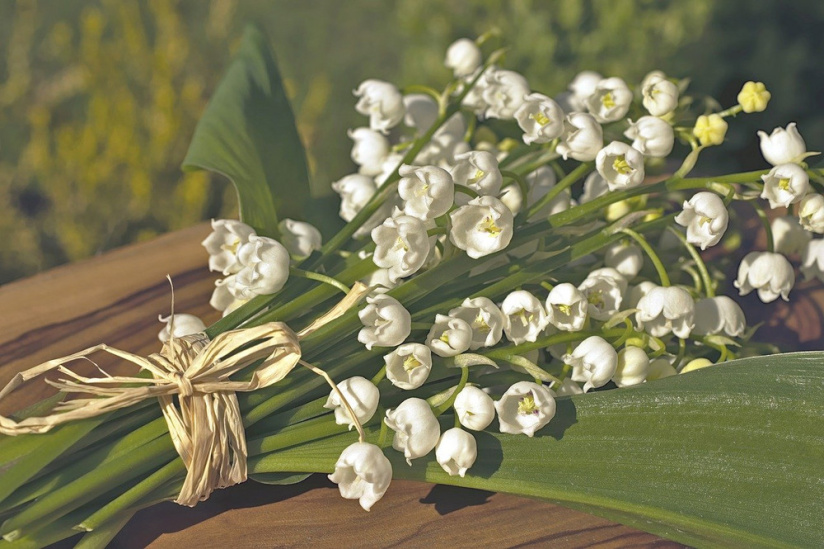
116 298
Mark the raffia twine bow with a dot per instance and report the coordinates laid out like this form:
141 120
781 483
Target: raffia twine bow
206 427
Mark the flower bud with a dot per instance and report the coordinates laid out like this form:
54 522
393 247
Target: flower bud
265 267
594 186
660 96
604 289
463 57
785 184
769 273
369 151
457 451
782 146
183 325
362 396
705 217
223 242
449 336
581 87
540 182
566 307
475 409
363 473
504 92
651 136
660 368
789 237
401 246
583 137
753 97
696 364
568 388
593 361
610 101
541 119
719 315
627 259
428 192
811 213
479 171
481 227
416 428
386 323
485 319
524 317
378 281
620 165
710 129
355 191
524 408
812 260
381 102
421 111
633 366
408 366
634 294
666 309
299 238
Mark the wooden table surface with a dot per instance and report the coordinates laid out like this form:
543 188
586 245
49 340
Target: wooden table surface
116 298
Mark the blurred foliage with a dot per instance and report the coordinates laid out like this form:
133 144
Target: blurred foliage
98 99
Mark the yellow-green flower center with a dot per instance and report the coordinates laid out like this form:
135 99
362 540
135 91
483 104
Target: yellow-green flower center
488 226
704 220
596 298
445 337
527 406
620 165
608 100
566 309
410 363
479 174
480 323
401 244
784 184
540 118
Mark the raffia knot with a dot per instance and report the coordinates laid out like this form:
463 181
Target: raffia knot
184 386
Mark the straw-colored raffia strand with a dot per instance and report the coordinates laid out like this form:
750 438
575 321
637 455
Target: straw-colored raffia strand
206 425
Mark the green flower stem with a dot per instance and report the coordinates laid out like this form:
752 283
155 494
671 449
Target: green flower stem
563 184
765 222
465 190
656 261
451 400
518 153
709 288
520 181
294 271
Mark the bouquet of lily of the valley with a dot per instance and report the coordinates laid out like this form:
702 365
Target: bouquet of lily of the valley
512 304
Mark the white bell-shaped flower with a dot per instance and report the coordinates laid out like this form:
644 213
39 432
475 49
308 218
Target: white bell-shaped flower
449 336
224 297
456 451
401 245
633 367
464 57
428 192
568 388
421 111
223 242
369 150
581 88
789 236
593 362
481 227
378 281
504 92
769 273
660 96
811 213
594 186
783 146
485 319
524 408
363 473
540 182
604 289
610 101
408 366
620 165
785 184
634 293
416 428
705 217
566 307
479 171
183 325
362 396
381 102
386 323
299 238
660 368
652 136
626 258
812 260
666 309
355 191
475 409
524 317
719 315
541 119
265 267
583 137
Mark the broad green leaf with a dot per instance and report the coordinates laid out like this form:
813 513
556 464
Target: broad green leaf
730 455
279 478
248 134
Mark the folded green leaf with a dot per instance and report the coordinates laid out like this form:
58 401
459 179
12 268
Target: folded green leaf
730 455
248 134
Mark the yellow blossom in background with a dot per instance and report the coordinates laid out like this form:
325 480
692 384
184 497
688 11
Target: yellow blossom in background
754 97
710 130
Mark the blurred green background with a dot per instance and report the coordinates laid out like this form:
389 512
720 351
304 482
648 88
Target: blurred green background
98 99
